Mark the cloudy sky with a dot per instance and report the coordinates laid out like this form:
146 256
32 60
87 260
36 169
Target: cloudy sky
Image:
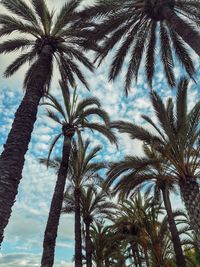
22 244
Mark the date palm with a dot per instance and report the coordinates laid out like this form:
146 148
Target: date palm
148 173
95 206
138 26
41 40
177 141
83 171
106 245
73 117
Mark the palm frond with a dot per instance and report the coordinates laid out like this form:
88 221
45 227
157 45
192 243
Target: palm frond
66 15
103 130
43 14
167 55
14 45
150 54
21 9
83 104
181 104
136 132
11 24
94 111
52 146
18 62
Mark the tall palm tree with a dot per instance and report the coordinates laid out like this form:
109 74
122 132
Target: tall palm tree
138 26
177 140
95 206
47 40
83 171
73 117
148 173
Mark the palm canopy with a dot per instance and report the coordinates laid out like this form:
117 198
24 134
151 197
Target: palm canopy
176 135
138 26
39 31
74 116
151 172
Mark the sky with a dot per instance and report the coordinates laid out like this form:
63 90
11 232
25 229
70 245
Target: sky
23 239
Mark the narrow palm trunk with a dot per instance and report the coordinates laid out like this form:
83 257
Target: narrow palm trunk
55 209
136 254
182 28
180 259
13 155
191 196
78 237
88 245
146 257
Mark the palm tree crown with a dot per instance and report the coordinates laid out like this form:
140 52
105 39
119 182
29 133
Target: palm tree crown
138 26
74 115
44 34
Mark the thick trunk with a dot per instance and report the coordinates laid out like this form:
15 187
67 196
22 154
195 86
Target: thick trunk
55 209
191 196
78 237
88 245
180 259
13 155
182 28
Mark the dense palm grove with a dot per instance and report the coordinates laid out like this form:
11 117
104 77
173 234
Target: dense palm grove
123 213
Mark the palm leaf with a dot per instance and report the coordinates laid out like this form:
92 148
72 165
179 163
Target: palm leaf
103 130
52 146
14 45
10 24
166 54
18 62
66 15
21 9
150 54
43 14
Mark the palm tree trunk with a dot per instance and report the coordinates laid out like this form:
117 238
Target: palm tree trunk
191 196
88 245
78 237
56 206
13 156
146 257
182 28
180 259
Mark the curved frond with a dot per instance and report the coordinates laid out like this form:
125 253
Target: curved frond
21 9
103 130
14 45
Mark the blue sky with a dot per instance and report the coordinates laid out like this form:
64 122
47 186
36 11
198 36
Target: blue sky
22 244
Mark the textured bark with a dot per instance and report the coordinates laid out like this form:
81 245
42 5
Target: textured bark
88 245
55 209
13 155
78 237
180 259
183 29
191 197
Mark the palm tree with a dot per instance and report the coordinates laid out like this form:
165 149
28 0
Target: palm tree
106 245
137 25
83 171
177 141
148 173
75 117
46 40
95 206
